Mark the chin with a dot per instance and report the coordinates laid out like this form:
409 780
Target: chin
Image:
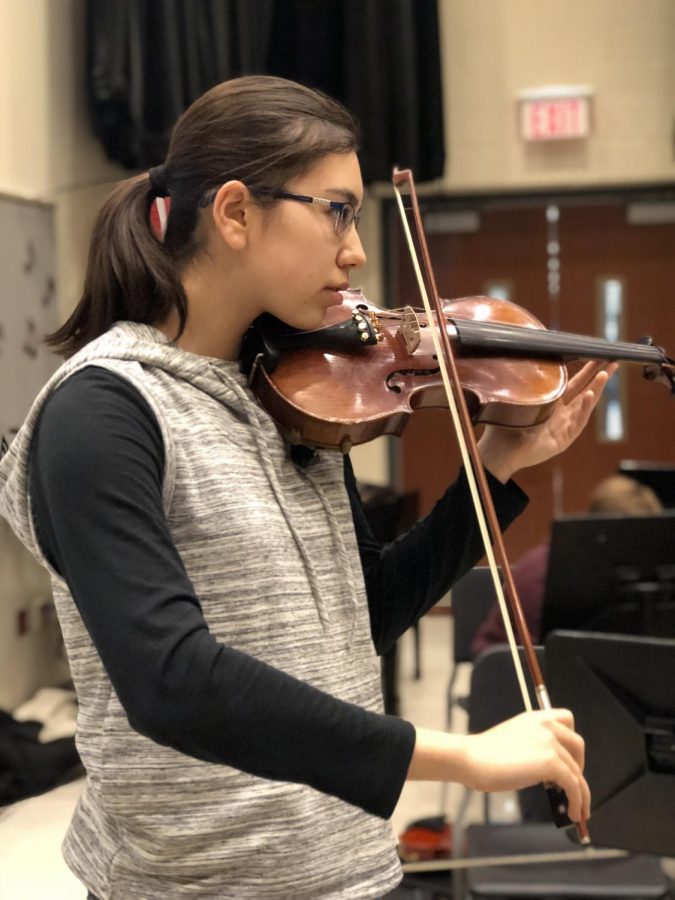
310 321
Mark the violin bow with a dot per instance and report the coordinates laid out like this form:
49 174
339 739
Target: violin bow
480 492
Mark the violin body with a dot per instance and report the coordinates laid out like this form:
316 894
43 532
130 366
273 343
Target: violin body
339 398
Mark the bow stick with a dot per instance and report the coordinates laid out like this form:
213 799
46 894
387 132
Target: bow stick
480 492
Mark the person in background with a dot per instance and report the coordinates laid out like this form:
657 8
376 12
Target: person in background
614 494
221 597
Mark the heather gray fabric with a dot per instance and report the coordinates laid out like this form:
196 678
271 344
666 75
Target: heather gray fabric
267 545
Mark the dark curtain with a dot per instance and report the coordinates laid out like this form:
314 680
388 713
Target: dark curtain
149 59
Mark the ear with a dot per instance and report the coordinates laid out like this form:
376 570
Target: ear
231 211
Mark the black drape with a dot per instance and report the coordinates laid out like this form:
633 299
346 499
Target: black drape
149 59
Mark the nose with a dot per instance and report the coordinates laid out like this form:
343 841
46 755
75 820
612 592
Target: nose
351 254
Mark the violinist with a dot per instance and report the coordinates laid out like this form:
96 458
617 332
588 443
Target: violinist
221 598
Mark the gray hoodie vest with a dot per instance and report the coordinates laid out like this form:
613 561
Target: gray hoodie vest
272 554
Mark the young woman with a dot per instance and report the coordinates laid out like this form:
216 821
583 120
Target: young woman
221 598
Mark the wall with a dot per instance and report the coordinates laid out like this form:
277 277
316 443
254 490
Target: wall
53 176
24 98
47 152
27 310
495 48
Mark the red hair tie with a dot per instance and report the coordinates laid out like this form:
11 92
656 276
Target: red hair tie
159 216
161 205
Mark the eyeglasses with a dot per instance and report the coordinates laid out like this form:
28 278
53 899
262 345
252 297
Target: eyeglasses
343 212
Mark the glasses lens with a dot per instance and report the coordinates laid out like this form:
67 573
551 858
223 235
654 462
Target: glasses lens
345 218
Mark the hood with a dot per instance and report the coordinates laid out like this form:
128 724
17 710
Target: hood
125 341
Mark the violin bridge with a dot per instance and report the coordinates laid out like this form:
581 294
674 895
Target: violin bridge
409 330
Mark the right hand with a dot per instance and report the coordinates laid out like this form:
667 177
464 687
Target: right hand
532 747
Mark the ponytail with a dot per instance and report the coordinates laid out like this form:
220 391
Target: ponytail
130 275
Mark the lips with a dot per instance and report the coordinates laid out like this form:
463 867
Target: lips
335 292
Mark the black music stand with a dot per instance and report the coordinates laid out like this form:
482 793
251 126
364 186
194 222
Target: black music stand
621 690
611 573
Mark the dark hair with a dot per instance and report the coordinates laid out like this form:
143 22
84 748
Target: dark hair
262 130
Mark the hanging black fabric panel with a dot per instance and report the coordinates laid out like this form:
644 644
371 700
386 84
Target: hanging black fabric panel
149 59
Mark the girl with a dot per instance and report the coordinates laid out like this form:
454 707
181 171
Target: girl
221 598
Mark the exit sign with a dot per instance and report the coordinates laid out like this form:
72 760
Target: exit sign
555 113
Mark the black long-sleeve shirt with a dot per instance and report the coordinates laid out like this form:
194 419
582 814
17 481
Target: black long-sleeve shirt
96 489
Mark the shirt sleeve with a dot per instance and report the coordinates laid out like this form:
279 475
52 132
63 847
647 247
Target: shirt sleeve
408 576
96 489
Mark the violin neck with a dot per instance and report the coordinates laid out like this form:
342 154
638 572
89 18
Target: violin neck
513 339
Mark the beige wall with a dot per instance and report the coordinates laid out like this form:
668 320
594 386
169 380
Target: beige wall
47 154
624 49
23 97
47 150
46 146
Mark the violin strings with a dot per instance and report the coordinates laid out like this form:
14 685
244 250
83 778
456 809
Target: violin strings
515 338
519 337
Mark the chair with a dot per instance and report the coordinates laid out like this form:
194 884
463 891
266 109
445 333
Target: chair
495 696
471 599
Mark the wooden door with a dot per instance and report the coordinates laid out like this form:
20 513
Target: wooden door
512 248
597 244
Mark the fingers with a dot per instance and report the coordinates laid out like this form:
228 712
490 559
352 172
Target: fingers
570 764
560 714
575 786
582 397
592 375
571 779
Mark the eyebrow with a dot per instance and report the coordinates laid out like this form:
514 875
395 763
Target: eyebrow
348 195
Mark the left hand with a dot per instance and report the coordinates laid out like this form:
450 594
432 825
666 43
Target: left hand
506 450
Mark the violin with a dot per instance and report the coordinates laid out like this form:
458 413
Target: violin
367 370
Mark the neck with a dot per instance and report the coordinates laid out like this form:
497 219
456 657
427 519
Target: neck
217 317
